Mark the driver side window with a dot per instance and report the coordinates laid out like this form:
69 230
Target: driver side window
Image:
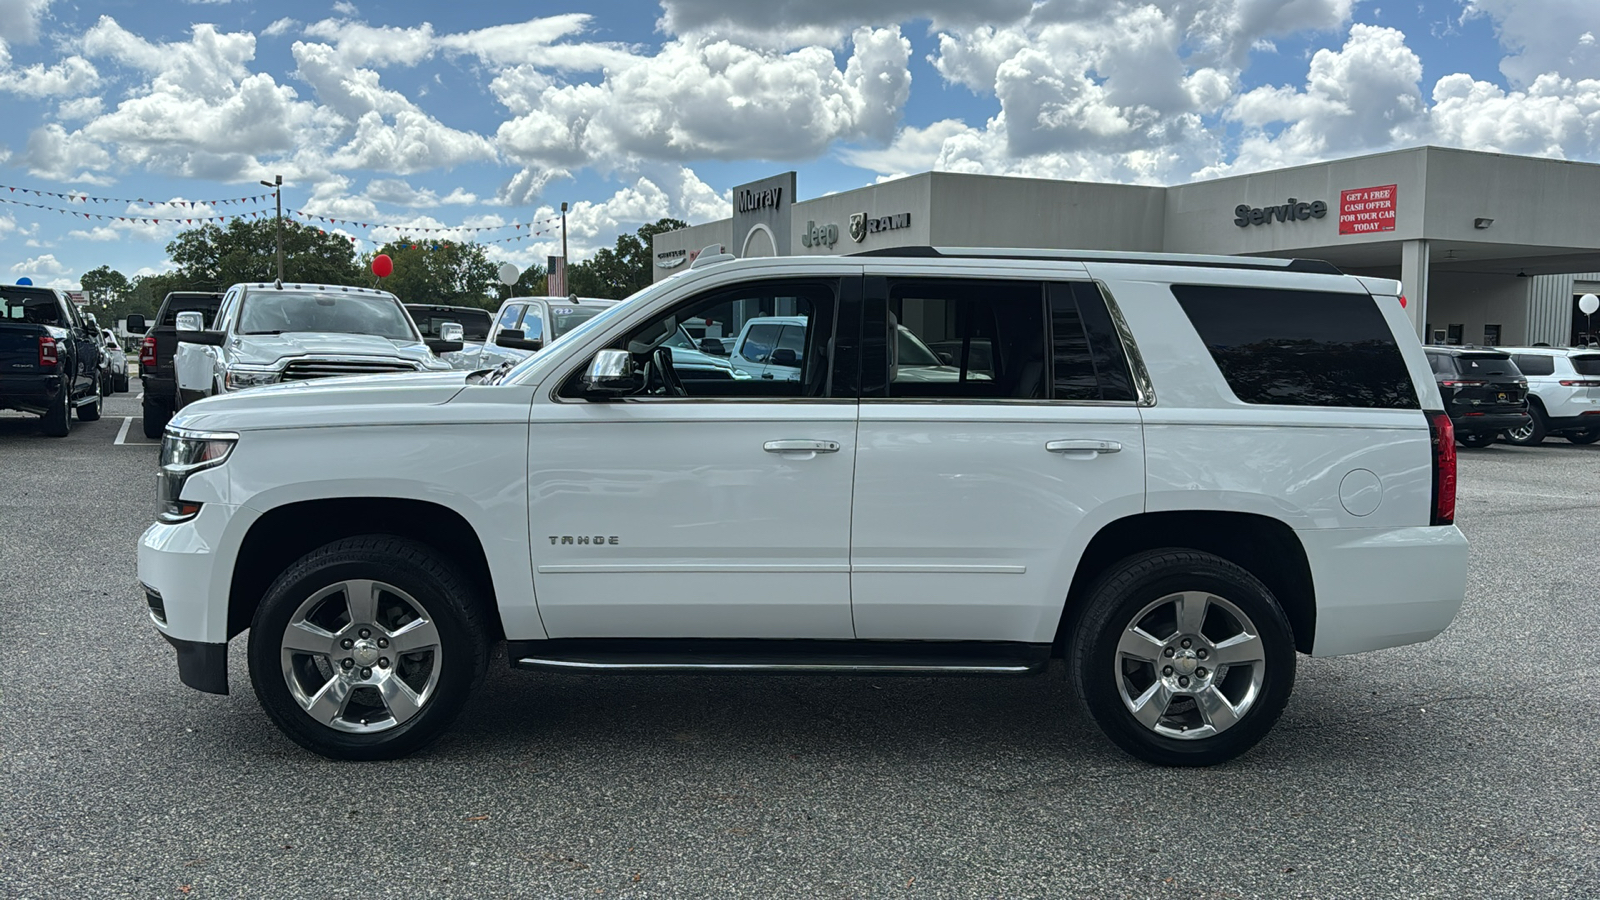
784 331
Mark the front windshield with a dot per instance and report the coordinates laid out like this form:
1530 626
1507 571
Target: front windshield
278 312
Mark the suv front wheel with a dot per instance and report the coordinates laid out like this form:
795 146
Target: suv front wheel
1182 658
367 648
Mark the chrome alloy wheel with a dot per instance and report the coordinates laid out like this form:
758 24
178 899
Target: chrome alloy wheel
361 656
1524 433
1190 665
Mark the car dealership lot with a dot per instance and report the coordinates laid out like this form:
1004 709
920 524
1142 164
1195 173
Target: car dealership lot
1461 767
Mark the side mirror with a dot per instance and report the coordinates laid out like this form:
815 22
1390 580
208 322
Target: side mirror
713 347
515 339
192 330
610 374
783 356
137 324
452 331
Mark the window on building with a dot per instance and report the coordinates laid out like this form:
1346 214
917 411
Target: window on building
1491 335
1455 333
1300 348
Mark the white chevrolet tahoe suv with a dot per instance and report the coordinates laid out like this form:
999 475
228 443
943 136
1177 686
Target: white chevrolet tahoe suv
1175 472
269 333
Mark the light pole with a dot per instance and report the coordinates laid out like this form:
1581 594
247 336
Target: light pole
277 194
563 234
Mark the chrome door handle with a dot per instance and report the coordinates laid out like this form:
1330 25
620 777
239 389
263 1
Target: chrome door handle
1083 446
801 446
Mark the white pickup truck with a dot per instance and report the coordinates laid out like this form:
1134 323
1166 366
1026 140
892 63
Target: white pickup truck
269 332
1174 473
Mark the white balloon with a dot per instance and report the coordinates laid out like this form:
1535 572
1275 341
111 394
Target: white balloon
1588 303
508 273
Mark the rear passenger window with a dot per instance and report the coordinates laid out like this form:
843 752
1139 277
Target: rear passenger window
1300 348
1534 363
967 339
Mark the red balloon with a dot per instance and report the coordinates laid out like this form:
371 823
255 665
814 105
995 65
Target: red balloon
382 265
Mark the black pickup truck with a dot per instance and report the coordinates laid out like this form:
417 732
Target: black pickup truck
157 350
49 358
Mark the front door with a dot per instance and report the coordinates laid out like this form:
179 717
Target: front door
722 512
984 467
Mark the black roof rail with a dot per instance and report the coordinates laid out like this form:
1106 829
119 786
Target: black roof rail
1314 266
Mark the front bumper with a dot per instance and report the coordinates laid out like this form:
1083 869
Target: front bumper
188 565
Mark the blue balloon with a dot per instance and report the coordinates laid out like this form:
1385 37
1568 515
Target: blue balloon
24 280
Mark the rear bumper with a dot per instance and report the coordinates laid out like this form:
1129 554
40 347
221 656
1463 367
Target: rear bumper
33 391
1488 423
159 387
1384 587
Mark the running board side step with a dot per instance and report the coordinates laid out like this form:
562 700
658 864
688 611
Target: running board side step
756 657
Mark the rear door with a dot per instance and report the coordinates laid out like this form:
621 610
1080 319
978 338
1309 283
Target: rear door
979 484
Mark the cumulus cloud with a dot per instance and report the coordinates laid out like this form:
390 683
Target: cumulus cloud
716 99
46 264
19 19
72 77
791 23
1545 37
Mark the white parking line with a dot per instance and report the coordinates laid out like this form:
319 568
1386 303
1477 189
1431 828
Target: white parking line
127 422
140 397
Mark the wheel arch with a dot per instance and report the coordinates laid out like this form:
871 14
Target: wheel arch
1265 547
285 533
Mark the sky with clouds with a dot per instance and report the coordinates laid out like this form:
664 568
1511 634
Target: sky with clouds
438 116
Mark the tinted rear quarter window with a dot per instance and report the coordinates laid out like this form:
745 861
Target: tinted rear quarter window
1300 348
1587 365
1534 363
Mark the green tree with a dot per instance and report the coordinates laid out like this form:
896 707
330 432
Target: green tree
617 273
212 258
441 272
531 283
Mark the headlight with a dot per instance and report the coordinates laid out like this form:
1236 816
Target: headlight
240 377
184 453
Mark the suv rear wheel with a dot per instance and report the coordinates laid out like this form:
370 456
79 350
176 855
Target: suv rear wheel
367 648
1182 658
1583 437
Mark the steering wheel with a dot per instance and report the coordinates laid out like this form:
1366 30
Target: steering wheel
671 384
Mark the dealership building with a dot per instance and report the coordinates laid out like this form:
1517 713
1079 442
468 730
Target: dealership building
1490 248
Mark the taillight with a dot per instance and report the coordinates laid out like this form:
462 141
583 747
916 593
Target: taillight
1443 435
1581 383
147 351
1462 383
49 353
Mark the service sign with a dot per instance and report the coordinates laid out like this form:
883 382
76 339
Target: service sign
1367 210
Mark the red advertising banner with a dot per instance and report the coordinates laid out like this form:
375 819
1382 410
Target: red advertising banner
1365 210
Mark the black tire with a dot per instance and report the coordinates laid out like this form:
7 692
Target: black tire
1475 440
1136 591
57 419
90 412
1532 434
122 383
419 582
156 416
1583 437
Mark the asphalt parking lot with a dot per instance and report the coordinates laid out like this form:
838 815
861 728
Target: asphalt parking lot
1464 767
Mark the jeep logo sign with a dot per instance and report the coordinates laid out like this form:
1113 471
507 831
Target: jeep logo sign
1244 215
819 235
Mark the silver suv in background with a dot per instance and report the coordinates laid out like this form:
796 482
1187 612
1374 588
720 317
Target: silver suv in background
1563 394
268 333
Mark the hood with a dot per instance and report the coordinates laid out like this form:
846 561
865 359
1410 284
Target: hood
353 400
267 349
